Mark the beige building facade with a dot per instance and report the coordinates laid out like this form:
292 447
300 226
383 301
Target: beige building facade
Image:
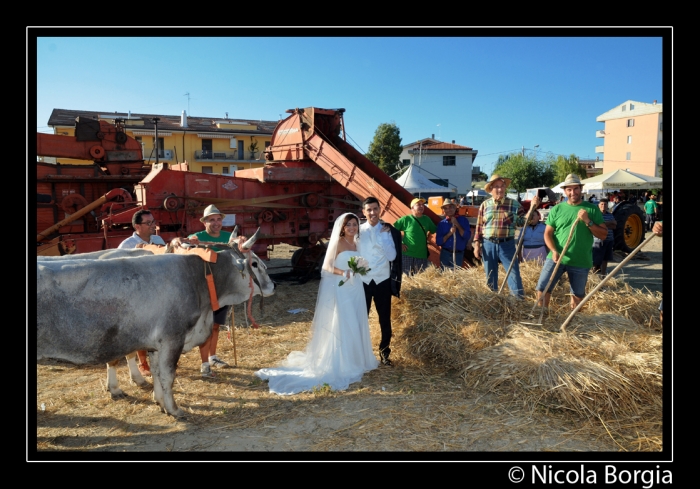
207 144
632 138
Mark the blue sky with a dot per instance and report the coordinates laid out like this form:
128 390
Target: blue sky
494 94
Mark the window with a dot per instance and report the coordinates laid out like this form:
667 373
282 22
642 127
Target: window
628 156
448 161
631 106
224 171
267 144
629 139
630 122
406 162
210 169
624 108
161 147
661 126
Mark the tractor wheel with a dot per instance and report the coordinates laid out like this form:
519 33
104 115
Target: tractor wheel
629 232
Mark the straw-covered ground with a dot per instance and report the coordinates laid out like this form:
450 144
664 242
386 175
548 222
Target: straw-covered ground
469 376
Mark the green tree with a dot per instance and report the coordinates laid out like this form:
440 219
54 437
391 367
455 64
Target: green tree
525 172
563 166
385 149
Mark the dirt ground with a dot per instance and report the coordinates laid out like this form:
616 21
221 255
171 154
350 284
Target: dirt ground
402 409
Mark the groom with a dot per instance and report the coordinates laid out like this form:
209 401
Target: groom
381 247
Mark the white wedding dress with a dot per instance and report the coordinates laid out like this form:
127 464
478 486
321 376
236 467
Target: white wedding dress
340 350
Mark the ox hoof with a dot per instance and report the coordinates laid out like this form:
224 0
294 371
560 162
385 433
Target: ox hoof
116 395
144 385
179 414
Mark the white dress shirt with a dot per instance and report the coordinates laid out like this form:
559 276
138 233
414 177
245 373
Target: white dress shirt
135 239
378 249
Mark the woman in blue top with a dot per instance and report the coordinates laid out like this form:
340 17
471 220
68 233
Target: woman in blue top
534 247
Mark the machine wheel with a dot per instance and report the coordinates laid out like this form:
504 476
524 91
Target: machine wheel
296 256
72 203
629 232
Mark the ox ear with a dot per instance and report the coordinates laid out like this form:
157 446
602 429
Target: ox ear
249 244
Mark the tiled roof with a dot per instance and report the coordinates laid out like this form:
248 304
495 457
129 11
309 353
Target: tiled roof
64 117
434 144
443 147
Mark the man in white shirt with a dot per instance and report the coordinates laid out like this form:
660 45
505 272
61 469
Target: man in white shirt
380 245
144 233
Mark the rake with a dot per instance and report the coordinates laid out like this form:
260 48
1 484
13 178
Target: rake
551 278
602 282
518 248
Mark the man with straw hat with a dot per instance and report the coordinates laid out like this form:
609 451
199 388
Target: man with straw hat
452 235
213 220
587 222
494 236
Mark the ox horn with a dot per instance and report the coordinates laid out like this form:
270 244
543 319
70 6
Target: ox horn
234 237
249 244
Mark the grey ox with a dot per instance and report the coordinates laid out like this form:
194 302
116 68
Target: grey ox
134 374
97 311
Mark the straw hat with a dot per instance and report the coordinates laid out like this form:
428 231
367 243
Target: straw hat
449 202
416 200
571 180
211 209
493 180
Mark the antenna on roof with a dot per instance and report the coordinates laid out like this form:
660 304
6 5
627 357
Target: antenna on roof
188 101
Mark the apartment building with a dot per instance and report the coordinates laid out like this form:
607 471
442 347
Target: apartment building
207 144
632 138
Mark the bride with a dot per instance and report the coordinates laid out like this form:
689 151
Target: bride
340 350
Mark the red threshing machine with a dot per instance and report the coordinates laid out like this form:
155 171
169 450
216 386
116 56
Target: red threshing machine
310 177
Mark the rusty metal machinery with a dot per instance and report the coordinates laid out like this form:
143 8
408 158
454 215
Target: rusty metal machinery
311 176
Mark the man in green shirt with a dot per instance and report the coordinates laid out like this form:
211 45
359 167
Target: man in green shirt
415 230
579 257
651 208
213 220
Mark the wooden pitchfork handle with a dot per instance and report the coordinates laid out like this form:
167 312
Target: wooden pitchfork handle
517 248
602 282
554 272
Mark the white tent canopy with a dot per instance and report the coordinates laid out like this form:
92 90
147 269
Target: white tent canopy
417 183
621 179
477 192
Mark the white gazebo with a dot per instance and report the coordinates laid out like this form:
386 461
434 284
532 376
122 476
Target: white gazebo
417 183
621 179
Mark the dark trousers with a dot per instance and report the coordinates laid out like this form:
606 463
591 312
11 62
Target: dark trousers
381 292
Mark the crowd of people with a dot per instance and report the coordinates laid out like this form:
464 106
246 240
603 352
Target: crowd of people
340 350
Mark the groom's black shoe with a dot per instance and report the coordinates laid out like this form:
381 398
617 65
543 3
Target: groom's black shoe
387 362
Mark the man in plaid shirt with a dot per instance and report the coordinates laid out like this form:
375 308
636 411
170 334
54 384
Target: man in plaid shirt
494 237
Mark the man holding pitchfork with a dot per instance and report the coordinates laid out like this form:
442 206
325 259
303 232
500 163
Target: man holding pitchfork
587 222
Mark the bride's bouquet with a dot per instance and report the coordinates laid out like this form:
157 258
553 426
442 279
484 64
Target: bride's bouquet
358 265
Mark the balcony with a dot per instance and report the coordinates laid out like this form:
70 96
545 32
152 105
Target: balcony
598 164
599 149
600 134
208 155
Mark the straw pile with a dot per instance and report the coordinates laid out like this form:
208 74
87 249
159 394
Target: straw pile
608 363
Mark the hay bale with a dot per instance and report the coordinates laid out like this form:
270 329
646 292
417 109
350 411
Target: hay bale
608 364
